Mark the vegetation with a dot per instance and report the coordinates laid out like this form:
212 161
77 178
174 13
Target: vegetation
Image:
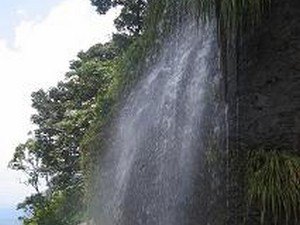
52 157
274 185
135 14
131 17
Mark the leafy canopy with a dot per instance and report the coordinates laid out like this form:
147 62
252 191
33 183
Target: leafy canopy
132 13
52 154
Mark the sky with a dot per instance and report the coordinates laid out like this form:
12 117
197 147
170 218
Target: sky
38 39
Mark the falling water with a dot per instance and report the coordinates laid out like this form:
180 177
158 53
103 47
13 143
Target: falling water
150 174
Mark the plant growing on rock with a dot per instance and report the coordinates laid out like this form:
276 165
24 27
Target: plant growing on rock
273 179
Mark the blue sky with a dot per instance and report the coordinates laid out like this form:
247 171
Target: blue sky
38 38
12 12
9 216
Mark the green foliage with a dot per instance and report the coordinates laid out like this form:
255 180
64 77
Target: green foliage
59 208
52 155
273 179
25 160
131 16
230 13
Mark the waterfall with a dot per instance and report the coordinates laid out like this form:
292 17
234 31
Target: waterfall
151 171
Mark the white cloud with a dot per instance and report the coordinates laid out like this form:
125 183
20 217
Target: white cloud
21 12
40 57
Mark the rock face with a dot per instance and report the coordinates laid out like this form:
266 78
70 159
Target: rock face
262 85
269 79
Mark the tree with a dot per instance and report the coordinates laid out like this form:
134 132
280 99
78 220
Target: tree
132 14
52 154
26 158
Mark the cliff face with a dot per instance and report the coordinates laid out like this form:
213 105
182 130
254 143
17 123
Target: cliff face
262 85
269 79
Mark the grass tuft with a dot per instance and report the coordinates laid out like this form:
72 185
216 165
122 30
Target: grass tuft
273 181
